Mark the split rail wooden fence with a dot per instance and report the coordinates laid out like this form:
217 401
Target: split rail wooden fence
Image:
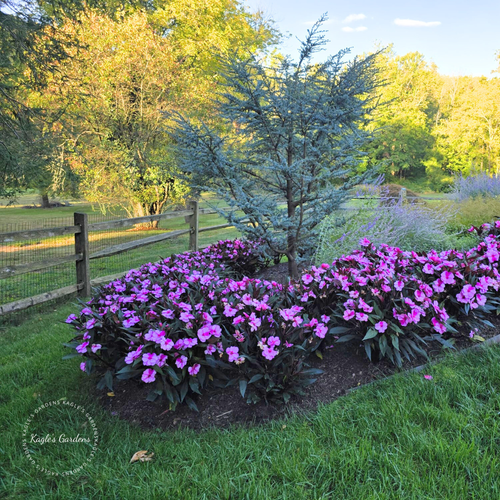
82 256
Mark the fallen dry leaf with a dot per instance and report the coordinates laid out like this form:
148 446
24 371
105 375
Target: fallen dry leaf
141 456
111 394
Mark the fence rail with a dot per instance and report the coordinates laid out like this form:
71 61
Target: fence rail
82 255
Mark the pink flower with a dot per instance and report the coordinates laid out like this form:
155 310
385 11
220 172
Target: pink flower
148 375
439 327
381 326
168 313
325 318
399 285
272 341
149 359
254 322
210 349
321 330
193 370
166 344
364 242
95 347
233 353
307 278
82 347
348 314
361 316
439 285
70 318
448 277
471 334
83 364
428 269
229 311
428 377
481 299
269 353
161 360
181 362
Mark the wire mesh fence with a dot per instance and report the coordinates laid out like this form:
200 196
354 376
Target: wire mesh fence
29 284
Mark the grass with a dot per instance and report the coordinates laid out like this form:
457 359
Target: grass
403 438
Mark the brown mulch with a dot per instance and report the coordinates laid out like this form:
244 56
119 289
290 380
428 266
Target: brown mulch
345 366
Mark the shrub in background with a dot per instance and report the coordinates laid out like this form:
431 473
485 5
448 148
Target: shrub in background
475 186
407 226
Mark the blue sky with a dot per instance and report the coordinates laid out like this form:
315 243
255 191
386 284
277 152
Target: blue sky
460 37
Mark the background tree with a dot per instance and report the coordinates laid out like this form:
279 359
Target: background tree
468 132
293 148
402 126
30 49
129 75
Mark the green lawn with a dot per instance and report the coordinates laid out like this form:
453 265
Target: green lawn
403 438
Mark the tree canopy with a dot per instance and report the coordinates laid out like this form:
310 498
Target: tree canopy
291 143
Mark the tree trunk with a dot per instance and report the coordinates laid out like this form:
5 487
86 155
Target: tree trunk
45 200
293 270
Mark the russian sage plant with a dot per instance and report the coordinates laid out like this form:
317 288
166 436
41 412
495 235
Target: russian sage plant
476 185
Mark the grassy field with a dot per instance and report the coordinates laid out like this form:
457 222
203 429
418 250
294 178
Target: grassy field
403 438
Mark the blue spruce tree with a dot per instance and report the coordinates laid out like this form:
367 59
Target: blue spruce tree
290 143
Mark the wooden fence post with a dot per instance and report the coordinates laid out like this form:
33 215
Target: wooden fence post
82 247
193 226
402 195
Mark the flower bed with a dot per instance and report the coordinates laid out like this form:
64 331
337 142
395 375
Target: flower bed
194 320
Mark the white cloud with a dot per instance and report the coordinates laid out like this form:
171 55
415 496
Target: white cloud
354 17
350 30
415 23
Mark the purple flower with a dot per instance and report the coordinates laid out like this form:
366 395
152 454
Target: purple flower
428 377
149 359
131 321
193 370
83 364
168 313
210 349
321 330
348 314
90 324
95 347
181 362
361 316
233 353
381 326
82 347
272 341
148 375
70 318
269 353
307 278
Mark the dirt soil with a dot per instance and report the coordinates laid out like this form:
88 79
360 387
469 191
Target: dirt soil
345 366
